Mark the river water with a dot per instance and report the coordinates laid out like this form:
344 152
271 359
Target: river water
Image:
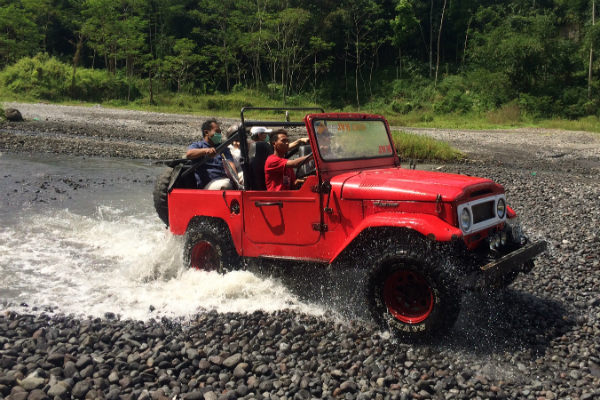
80 235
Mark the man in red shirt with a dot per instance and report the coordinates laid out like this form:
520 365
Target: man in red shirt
279 171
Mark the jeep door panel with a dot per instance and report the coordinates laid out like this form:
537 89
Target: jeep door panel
285 217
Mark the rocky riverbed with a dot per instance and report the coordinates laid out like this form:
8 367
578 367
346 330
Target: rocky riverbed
537 340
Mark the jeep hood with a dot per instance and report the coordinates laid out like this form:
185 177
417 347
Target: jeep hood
411 185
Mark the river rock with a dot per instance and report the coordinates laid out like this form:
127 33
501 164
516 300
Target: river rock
13 115
32 382
58 390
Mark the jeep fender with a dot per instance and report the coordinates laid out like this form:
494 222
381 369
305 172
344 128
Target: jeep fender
427 225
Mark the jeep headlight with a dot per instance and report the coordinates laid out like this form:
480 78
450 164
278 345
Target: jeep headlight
501 208
465 219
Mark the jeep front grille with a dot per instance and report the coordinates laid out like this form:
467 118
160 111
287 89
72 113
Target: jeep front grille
482 212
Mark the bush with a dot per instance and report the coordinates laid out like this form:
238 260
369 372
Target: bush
491 89
44 77
417 90
402 107
453 96
41 77
538 106
409 145
505 115
100 85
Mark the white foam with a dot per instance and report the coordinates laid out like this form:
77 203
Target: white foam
121 261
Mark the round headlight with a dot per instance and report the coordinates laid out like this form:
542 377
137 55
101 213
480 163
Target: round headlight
465 219
501 208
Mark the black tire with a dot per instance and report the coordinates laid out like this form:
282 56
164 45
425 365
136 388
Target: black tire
208 246
410 290
161 195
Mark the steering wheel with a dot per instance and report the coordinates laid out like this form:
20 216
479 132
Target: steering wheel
232 175
310 171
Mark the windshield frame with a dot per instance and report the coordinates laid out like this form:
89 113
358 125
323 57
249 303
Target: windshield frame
390 149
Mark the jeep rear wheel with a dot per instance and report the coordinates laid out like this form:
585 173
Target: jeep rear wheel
209 247
410 292
161 195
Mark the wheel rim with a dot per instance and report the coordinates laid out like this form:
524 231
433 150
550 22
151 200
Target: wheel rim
204 257
408 296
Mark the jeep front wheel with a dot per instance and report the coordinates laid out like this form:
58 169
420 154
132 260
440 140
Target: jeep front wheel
209 247
411 293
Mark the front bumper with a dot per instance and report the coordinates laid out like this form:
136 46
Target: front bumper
494 274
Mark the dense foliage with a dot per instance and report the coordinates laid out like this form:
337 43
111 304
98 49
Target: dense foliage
438 56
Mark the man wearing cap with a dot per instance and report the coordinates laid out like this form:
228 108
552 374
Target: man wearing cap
279 171
259 133
210 175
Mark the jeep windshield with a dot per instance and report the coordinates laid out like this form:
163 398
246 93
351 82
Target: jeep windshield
351 139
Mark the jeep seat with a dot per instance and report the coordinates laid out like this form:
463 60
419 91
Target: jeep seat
257 156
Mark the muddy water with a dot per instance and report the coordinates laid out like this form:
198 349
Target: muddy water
80 235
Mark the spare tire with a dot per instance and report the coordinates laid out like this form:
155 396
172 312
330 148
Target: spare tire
161 195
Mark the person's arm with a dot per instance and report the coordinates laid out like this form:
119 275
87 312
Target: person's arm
192 154
297 143
294 163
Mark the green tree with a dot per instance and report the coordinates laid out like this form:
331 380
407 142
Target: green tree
359 19
404 26
19 34
177 67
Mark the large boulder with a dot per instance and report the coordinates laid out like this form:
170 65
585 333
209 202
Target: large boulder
12 114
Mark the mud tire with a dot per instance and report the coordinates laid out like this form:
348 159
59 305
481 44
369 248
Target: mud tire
161 195
433 293
208 246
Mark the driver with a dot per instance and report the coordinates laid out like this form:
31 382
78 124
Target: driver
279 173
211 175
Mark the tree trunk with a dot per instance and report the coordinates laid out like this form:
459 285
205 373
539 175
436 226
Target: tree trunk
315 79
431 39
591 52
76 58
437 61
151 64
150 87
356 44
466 39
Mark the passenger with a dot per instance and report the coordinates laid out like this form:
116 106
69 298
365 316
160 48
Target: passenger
211 175
259 133
234 147
279 172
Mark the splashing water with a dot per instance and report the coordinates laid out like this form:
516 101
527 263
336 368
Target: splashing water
118 259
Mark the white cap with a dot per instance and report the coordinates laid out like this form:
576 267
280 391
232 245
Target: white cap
256 130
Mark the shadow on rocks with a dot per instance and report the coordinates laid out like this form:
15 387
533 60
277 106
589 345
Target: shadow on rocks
508 321
493 322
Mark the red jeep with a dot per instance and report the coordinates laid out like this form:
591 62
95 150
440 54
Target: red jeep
420 237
